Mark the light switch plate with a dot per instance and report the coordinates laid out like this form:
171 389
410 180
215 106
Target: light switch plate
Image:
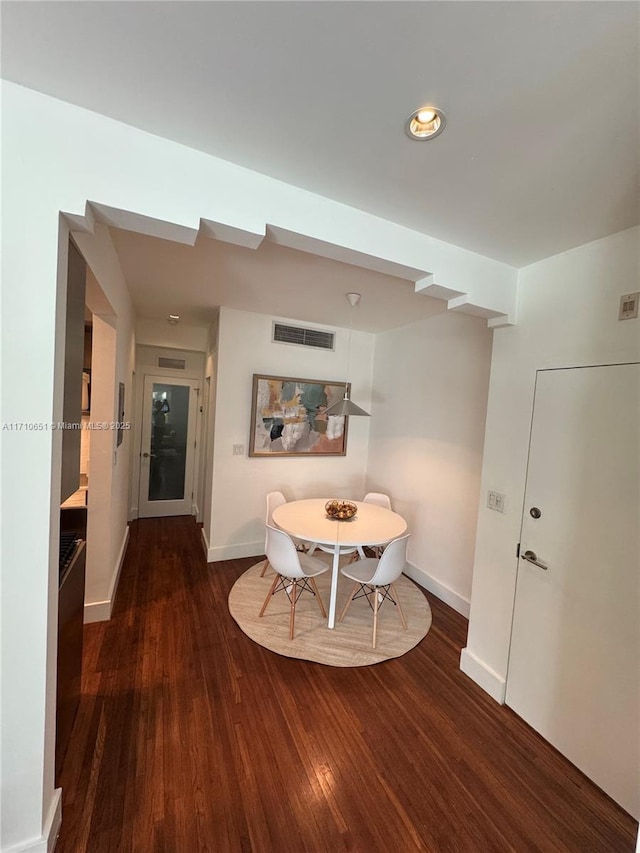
238 449
629 306
496 501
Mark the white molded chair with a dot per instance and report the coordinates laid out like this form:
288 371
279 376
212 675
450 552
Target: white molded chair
295 572
274 500
377 498
384 501
374 580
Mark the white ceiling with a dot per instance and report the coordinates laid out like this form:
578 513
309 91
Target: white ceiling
540 153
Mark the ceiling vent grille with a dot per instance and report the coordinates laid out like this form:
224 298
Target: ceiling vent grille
172 363
303 337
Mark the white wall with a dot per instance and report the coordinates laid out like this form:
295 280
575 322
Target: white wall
112 362
236 524
55 158
161 333
100 569
210 390
568 309
147 361
430 385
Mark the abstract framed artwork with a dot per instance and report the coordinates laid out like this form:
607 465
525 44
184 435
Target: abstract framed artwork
288 417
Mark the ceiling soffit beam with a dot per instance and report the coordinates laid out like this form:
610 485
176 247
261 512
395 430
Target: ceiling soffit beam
231 234
141 224
494 319
335 252
428 287
457 300
79 224
500 321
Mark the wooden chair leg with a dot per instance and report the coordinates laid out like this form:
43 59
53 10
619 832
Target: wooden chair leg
375 615
314 587
350 599
400 610
269 594
292 615
264 568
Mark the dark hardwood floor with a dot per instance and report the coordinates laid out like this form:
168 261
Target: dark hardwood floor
191 738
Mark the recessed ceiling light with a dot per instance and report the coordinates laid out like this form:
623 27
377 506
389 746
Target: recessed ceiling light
425 123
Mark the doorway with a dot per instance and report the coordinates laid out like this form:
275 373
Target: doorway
573 664
168 446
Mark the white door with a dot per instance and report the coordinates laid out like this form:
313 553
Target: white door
168 446
574 664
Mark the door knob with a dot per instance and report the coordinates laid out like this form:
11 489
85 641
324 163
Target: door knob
532 557
147 455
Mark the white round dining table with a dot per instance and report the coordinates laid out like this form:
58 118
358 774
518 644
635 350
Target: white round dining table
308 520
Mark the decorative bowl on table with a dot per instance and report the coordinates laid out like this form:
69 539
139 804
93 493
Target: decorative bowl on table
340 510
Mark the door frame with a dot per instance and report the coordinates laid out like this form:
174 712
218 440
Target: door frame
142 370
191 459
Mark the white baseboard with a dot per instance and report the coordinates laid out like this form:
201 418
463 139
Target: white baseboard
233 552
194 510
100 611
133 513
483 675
54 820
116 575
205 543
47 841
97 611
444 593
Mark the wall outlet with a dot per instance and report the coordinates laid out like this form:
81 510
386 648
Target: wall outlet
496 501
238 449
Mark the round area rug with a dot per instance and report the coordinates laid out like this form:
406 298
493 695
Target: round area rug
349 643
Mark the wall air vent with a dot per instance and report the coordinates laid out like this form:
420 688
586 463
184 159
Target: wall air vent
303 337
172 363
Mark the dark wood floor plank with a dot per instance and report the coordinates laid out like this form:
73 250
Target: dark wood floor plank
191 738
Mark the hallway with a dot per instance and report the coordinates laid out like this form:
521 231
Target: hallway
190 737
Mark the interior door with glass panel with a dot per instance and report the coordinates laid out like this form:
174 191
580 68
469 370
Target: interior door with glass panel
168 446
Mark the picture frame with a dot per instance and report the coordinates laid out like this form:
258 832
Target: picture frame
86 391
120 424
287 417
